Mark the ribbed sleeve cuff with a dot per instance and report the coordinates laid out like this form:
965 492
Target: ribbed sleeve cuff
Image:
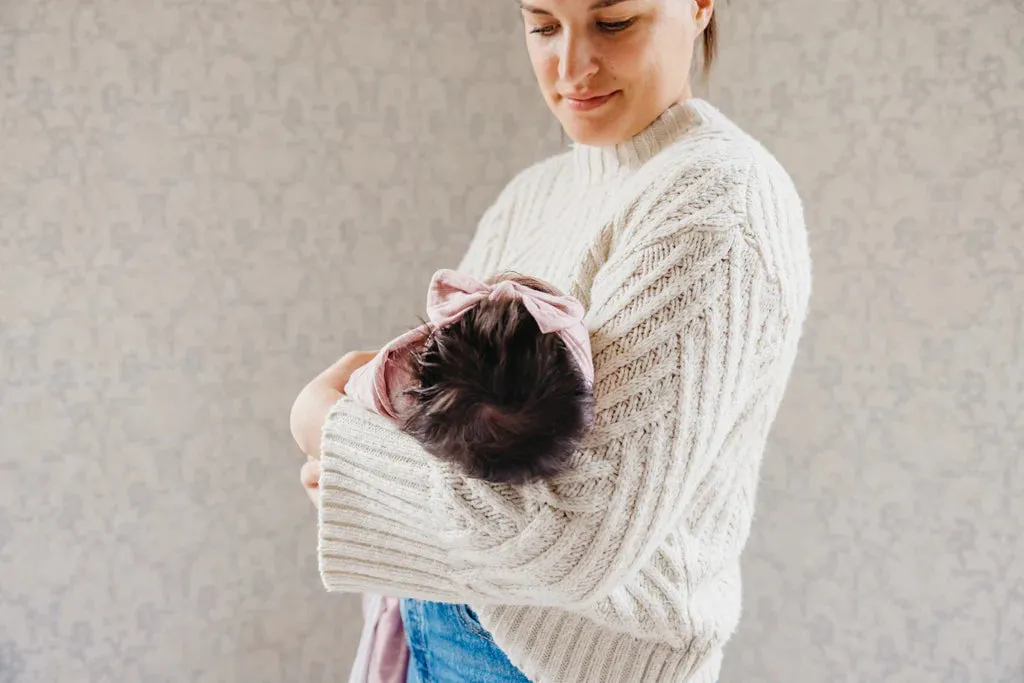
380 521
554 645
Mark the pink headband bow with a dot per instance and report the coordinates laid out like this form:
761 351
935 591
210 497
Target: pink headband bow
450 296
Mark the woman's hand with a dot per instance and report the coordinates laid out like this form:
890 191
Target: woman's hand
309 475
314 402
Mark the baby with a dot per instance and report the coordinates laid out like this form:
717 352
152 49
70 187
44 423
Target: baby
498 382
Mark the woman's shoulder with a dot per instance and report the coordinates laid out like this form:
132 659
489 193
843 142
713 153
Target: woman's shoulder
500 216
719 171
720 155
720 178
535 176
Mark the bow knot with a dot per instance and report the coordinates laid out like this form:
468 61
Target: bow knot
504 288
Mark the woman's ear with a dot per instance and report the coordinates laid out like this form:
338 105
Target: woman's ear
702 11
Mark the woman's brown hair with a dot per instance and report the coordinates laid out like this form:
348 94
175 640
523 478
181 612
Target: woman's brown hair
710 44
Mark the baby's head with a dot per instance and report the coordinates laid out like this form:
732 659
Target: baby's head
495 395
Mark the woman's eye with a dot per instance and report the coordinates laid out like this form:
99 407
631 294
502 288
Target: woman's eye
544 30
614 26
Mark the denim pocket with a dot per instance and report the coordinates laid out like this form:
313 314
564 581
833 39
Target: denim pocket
471 623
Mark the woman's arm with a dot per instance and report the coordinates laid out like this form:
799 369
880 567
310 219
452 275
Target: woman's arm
692 332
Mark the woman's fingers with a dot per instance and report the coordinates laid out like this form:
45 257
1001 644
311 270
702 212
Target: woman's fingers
310 478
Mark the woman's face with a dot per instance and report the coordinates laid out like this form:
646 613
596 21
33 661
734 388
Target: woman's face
608 68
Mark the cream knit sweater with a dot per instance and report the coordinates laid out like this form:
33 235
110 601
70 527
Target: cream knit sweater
687 246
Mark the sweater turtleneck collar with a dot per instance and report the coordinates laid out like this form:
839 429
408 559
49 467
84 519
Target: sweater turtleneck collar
595 164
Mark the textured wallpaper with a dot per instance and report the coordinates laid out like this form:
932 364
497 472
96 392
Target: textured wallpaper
203 202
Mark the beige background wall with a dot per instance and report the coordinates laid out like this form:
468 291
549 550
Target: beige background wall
203 203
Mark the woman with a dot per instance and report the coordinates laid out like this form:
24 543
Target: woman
685 240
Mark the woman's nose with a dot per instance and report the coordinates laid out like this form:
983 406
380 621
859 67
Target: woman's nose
576 61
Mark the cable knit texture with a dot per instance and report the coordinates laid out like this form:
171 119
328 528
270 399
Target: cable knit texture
687 246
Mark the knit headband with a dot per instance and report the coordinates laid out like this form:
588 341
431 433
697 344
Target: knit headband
451 295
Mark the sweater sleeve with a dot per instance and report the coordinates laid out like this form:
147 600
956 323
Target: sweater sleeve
686 320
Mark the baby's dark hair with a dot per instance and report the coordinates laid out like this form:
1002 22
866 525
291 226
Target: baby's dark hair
497 397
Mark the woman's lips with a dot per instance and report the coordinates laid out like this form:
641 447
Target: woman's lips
588 103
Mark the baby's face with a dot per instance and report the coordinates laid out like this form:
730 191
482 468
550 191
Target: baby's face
526 281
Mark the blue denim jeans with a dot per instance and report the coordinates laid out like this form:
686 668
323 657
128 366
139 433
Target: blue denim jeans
447 644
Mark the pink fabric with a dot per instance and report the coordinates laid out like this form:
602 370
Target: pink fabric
382 655
389 656
378 384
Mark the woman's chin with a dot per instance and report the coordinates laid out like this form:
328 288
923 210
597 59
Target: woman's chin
601 127
591 131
